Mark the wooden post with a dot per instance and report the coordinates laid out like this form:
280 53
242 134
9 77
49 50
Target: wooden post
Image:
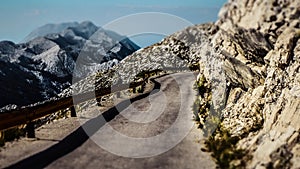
30 130
73 112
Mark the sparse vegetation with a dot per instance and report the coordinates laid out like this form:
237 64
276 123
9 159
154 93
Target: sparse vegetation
11 134
202 103
194 67
224 149
220 142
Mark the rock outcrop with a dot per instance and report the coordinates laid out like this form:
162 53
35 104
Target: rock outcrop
249 77
259 42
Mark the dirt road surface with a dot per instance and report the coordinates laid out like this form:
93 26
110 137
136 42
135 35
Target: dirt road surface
153 130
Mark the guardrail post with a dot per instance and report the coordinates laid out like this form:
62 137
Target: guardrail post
73 112
134 90
98 101
30 130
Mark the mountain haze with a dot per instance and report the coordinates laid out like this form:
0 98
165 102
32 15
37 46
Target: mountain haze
42 67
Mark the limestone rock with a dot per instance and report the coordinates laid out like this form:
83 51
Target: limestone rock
260 44
251 55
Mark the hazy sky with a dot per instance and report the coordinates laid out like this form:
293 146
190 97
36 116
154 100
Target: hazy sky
20 17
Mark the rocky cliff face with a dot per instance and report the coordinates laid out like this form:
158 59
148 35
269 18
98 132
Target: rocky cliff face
250 75
264 36
249 78
259 42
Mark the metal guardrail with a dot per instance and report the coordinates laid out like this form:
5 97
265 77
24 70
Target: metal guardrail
28 114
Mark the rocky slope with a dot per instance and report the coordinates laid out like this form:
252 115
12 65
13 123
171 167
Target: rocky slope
174 53
42 67
260 42
248 82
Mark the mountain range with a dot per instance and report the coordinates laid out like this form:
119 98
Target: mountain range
43 64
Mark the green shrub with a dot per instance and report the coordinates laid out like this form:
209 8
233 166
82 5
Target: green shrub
202 104
220 142
224 150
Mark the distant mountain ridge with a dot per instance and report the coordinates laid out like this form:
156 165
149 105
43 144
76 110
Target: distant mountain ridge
42 67
48 29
